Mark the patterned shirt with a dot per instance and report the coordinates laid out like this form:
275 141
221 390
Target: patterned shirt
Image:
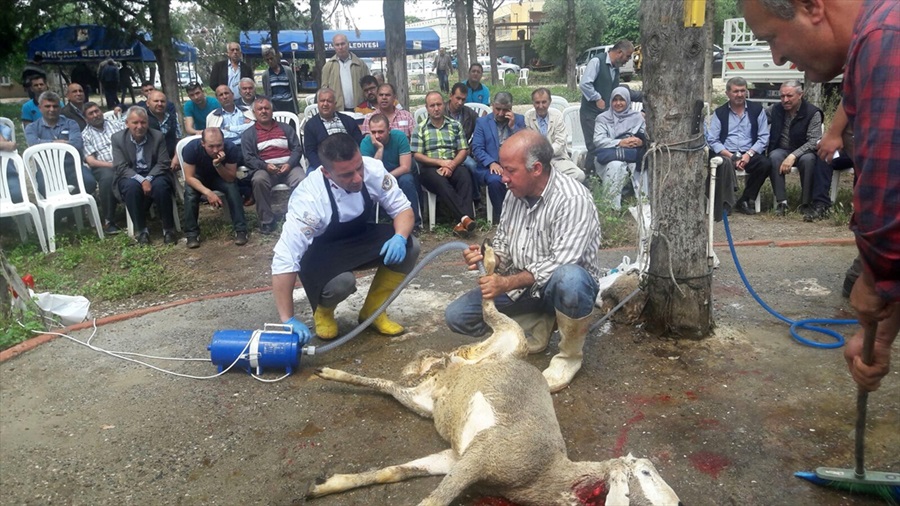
98 143
402 120
561 227
442 143
234 123
333 125
872 103
281 86
272 144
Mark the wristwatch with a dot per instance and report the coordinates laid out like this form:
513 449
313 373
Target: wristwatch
750 153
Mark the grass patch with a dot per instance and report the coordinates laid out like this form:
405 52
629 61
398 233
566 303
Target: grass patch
18 327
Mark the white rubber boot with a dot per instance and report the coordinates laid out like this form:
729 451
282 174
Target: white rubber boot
538 328
567 362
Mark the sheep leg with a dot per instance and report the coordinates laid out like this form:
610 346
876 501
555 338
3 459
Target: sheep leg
418 398
466 471
433 465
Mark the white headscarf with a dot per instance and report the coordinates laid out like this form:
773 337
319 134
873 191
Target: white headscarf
621 123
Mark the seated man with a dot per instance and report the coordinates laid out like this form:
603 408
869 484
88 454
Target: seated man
143 175
327 122
739 132
491 131
546 247
549 122
399 119
12 176
440 149
330 232
163 119
147 88
456 109
392 148
98 156
210 165
31 109
235 118
51 127
272 152
369 87
74 109
247 87
796 128
197 108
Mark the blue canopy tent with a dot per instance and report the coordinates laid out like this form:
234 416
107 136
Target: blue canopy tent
368 44
91 43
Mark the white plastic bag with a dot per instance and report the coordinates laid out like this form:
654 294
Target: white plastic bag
70 309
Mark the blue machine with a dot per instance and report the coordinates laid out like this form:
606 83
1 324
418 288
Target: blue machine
274 347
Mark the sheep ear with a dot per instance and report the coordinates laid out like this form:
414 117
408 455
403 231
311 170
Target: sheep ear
618 488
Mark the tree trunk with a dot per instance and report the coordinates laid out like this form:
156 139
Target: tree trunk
673 59
462 46
492 45
470 30
315 14
707 60
813 92
272 23
570 70
161 25
395 40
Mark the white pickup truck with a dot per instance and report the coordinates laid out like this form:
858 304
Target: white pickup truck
747 57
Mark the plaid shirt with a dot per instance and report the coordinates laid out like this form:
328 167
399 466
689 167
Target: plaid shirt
872 103
403 120
98 143
441 143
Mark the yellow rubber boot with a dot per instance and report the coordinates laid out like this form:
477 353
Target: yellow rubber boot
326 326
383 284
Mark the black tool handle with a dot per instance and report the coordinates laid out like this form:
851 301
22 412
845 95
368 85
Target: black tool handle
862 398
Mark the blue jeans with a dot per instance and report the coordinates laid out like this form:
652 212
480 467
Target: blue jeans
233 200
495 187
571 290
472 165
12 178
410 187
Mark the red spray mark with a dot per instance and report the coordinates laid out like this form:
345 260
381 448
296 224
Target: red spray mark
709 463
623 434
708 423
690 395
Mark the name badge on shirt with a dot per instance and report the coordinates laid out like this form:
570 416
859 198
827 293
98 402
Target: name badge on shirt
403 123
64 132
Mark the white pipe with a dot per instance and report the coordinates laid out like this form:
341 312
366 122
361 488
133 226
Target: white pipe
714 163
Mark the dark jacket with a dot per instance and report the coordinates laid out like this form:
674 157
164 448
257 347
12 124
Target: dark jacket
799 125
125 155
74 114
314 132
486 144
469 117
219 74
250 147
753 111
604 84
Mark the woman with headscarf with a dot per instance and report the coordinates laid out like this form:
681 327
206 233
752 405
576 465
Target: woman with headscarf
619 138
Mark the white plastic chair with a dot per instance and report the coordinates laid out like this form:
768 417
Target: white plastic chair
559 103
311 110
311 99
577 146
49 159
420 115
836 182
18 210
479 108
179 188
432 207
12 128
637 106
112 115
523 76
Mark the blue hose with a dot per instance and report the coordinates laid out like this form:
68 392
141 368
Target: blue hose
806 324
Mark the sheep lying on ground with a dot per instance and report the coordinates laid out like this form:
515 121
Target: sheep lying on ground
496 412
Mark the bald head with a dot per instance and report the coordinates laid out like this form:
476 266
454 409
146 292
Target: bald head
525 158
75 95
156 102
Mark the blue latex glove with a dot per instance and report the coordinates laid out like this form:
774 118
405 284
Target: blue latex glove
394 250
297 327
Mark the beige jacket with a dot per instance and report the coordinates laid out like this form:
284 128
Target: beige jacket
556 131
331 77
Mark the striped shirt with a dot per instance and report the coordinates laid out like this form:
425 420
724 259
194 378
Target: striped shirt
442 143
281 85
272 144
98 143
560 228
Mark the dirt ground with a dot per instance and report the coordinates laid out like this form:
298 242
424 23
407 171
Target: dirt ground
726 420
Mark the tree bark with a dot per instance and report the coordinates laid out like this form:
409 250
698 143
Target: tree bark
462 46
161 25
707 60
673 59
571 22
492 45
395 40
315 14
272 23
470 30
813 92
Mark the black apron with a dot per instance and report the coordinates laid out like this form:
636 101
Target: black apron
342 247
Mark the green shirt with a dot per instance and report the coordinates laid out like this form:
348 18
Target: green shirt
397 145
441 143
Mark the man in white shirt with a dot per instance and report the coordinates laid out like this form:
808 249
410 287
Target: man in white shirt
97 137
549 122
330 231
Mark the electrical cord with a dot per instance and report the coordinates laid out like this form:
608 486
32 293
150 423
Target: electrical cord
806 324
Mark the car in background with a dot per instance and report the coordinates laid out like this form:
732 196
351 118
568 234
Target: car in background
626 72
502 67
186 77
